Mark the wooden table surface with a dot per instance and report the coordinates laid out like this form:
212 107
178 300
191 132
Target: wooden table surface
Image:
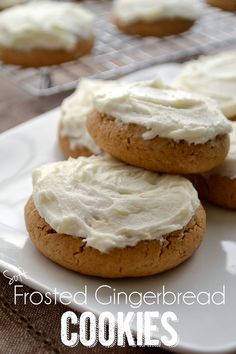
35 329
17 106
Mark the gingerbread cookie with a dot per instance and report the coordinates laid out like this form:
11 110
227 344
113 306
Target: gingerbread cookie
45 35
158 128
155 18
97 216
213 76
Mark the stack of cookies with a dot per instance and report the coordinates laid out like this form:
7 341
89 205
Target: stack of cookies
127 212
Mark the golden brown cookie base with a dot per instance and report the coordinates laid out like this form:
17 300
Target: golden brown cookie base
216 189
125 142
159 28
64 143
44 57
146 258
228 5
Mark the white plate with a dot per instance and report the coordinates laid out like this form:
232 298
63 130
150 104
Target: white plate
202 329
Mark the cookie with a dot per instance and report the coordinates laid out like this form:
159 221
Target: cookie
161 28
212 76
155 18
228 5
74 139
219 185
48 38
109 220
161 129
44 57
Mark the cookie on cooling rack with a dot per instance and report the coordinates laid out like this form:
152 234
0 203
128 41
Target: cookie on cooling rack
44 33
74 138
228 5
219 185
155 18
153 126
212 76
98 216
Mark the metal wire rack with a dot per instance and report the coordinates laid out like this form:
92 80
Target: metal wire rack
116 54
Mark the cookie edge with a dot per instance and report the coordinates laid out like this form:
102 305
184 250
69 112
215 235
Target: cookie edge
154 256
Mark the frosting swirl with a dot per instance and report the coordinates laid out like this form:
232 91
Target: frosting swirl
213 76
110 204
44 24
164 111
150 10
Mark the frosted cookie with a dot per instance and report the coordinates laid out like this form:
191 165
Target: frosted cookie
74 138
44 33
152 126
219 185
98 216
213 76
228 5
156 18
4 4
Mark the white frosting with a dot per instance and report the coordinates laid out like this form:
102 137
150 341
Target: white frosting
150 10
75 110
164 111
8 3
44 24
212 76
110 204
228 168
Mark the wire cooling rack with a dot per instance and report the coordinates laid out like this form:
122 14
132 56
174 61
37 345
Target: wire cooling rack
116 54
